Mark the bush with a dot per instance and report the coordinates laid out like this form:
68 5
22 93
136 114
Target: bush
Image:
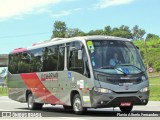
153 50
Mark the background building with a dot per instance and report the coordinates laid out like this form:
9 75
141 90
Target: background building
3 60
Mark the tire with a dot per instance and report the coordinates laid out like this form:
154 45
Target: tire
77 105
126 109
67 107
32 105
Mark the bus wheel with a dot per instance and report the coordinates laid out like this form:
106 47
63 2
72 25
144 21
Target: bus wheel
77 105
126 109
32 105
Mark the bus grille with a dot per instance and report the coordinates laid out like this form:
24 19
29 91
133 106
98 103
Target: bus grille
117 79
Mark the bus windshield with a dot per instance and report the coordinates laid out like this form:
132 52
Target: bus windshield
115 57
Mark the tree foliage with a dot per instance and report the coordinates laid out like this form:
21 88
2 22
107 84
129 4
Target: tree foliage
122 31
95 32
73 32
153 53
60 30
138 33
152 37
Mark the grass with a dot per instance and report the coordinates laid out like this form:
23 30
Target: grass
154 89
3 91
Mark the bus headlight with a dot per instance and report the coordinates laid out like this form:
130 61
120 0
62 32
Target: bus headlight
102 90
144 89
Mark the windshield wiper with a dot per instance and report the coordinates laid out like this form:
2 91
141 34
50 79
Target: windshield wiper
133 66
112 67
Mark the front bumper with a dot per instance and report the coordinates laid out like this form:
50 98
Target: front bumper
99 100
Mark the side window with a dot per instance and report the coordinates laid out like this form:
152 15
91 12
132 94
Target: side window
73 63
61 58
13 63
36 60
24 62
19 63
50 58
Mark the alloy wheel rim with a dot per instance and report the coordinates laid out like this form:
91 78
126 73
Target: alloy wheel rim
77 104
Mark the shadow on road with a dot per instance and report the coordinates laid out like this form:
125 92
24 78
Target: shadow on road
60 112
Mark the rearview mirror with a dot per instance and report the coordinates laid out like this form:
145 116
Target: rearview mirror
79 54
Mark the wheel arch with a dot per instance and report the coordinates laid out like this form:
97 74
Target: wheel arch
73 93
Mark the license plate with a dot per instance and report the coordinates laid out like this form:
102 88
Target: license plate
125 104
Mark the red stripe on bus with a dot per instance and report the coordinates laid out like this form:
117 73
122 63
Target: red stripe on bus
19 50
32 81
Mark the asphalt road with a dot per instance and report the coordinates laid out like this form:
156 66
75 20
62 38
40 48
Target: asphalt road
153 108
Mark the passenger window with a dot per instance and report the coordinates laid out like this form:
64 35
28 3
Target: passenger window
50 58
36 60
13 63
24 63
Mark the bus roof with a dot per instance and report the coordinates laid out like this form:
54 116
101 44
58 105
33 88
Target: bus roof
64 40
102 37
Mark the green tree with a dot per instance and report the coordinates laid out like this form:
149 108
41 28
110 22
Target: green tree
122 31
72 32
153 52
96 32
107 30
124 28
141 33
138 33
135 32
152 37
60 30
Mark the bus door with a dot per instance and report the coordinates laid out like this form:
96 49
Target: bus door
63 82
73 70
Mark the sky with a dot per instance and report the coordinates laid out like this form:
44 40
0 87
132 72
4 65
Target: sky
24 22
